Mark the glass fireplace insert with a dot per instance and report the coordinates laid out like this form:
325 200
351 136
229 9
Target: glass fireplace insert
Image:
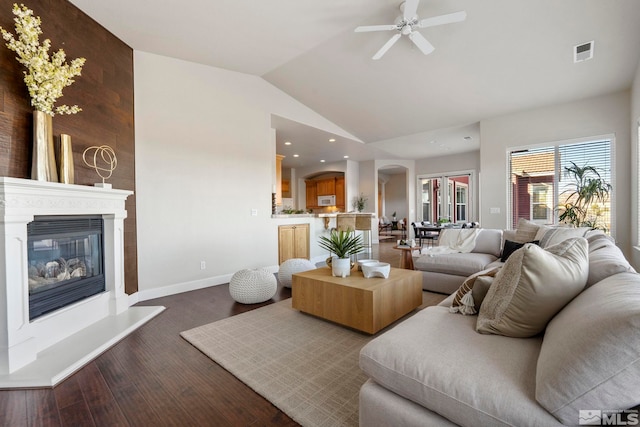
65 261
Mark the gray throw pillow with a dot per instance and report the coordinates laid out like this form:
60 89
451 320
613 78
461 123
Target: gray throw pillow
532 286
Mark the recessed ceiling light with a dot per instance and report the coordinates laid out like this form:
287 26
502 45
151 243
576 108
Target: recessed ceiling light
346 157
332 140
322 161
296 155
287 143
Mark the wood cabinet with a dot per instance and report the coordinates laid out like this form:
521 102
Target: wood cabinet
326 187
293 242
340 202
312 194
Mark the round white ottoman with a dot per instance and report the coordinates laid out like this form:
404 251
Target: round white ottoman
252 286
292 266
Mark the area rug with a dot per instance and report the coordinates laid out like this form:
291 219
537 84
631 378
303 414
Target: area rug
305 366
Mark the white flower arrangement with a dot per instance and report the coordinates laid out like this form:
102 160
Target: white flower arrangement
46 75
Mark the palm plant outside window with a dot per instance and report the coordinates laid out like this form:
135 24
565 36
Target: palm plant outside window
568 183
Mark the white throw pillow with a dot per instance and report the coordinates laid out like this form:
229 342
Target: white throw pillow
532 286
555 235
526 231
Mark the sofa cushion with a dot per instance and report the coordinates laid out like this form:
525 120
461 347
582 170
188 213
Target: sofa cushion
458 264
437 360
555 235
488 241
532 286
590 357
526 230
605 259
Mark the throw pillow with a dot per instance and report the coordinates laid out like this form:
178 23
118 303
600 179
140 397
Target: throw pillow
464 302
526 230
605 259
590 355
532 286
556 235
510 247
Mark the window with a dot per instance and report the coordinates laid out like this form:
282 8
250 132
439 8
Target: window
541 203
454 204
430 191
461 202
542 184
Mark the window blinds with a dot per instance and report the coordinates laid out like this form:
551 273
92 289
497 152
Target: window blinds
539 181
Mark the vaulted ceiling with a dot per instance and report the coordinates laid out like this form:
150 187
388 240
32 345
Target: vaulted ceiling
509 55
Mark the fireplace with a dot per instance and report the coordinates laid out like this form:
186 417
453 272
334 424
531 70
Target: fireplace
65 261
62 299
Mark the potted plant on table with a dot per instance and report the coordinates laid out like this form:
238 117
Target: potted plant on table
343 244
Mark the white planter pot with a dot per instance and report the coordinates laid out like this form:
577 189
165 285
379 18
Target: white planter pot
340 267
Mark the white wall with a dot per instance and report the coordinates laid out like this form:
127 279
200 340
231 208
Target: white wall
204 160
410 185
608 114
396 196
635 174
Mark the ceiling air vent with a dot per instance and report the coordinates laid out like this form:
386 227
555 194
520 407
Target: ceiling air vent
583 51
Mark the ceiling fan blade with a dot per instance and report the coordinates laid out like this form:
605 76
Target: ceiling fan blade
422 43
442 19
368 28
410 9
387 46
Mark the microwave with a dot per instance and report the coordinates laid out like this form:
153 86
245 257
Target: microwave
326 200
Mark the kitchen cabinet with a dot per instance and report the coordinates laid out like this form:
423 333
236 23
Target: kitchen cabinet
340 202
312 194
326 187
293 242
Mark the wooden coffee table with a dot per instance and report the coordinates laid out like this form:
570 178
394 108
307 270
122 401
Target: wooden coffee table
367 305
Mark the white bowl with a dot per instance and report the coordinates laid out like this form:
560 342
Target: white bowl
376 269
365 261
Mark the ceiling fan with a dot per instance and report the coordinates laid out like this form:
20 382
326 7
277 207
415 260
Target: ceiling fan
407 23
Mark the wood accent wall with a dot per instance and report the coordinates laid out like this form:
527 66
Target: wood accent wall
104 91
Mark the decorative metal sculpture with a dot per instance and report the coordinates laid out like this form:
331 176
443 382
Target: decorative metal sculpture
104 161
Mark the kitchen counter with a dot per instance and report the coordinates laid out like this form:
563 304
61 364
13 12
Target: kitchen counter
305 215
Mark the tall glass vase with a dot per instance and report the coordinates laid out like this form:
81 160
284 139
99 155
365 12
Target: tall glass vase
43 161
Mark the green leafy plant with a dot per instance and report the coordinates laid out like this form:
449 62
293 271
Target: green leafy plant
587 191
342 243
290 210
359 202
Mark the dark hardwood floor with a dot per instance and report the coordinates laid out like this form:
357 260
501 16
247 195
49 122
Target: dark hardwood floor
155 378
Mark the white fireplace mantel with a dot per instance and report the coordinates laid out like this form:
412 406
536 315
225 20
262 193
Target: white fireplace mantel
26 344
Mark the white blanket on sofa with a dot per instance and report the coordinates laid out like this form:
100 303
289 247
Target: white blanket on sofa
458 240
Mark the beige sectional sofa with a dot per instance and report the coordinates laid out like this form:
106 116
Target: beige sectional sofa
435 369
444 273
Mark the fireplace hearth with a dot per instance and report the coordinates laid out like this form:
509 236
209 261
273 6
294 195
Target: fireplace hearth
62 299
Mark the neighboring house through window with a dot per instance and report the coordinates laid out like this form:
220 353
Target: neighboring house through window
452 204
538 184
